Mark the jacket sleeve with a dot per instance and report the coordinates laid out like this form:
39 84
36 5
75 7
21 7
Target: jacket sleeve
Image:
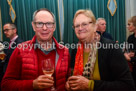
119 77
69 68
68 59
12 79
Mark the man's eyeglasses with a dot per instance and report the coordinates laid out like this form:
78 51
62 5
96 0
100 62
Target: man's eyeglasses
83 25
6 30
47 24
103 24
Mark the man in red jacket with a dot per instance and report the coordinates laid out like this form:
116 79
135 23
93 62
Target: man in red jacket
24 71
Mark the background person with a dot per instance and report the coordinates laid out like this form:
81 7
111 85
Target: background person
10 31
130 54
101 22
2 57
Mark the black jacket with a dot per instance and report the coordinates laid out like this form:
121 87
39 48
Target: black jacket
113 68
8 52
1 68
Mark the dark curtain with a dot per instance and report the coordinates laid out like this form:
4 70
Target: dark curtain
115 24
24 10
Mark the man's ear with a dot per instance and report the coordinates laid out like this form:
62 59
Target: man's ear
54 27
33 25
15 30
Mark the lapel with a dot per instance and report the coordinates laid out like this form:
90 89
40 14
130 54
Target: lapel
100 57
12 49
15 42
103 60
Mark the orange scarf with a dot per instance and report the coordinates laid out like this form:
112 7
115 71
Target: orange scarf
78 69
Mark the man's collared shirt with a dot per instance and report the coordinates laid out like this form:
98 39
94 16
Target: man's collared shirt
13 40
38 45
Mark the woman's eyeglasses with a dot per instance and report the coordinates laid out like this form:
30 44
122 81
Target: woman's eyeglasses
83 25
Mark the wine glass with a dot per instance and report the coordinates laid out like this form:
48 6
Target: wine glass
2 57
48 69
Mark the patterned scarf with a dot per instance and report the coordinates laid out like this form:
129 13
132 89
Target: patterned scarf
88 70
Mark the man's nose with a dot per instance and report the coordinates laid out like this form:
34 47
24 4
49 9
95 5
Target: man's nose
44 27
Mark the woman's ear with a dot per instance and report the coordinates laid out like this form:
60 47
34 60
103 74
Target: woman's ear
95 27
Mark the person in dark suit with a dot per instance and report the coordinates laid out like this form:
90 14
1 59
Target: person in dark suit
101 22
2 56
96 67
10 31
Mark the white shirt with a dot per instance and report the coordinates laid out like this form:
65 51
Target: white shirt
13 40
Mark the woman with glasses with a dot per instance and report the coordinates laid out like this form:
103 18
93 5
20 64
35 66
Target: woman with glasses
130 54
96 67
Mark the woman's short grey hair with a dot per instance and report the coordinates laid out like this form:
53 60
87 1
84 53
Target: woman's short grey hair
43 9
87 13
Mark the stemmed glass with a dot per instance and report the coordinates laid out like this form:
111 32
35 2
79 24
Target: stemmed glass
2 56
48 69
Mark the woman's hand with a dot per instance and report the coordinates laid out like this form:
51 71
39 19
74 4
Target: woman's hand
131 54
78 83
42 82
127 56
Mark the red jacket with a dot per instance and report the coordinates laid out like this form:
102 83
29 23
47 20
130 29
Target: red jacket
23 68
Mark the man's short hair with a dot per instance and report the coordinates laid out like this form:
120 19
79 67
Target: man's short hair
11 24
43 9
99 20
